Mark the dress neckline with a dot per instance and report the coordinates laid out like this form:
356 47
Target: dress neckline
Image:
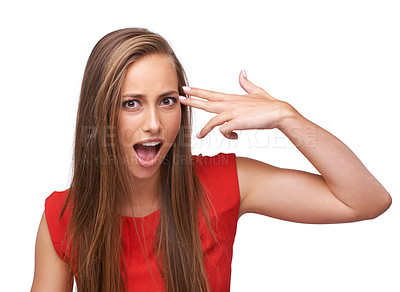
144 217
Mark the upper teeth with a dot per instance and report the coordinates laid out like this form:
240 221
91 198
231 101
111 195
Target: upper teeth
155 143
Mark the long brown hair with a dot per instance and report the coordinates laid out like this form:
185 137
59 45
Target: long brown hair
101 179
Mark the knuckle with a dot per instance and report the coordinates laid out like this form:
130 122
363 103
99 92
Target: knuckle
236 111
205 105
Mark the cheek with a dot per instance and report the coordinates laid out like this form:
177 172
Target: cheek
126 132
173 125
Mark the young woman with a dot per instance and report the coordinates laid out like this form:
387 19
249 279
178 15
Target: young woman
143 214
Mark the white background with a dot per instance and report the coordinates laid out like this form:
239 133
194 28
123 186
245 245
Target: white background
336 62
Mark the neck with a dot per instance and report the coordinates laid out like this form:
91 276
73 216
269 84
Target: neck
145 199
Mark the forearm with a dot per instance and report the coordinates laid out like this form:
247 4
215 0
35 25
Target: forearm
345 175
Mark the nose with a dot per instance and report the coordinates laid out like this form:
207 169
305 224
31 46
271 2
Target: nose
152 123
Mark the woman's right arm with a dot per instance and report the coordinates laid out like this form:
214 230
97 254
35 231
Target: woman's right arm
51 272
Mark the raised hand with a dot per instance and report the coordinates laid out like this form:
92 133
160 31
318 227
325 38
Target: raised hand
255 110
345 191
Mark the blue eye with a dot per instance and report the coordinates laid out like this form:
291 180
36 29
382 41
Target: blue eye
168 101
131 104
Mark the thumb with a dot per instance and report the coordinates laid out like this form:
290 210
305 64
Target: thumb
246 84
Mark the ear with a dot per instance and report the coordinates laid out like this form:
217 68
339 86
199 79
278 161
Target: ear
246 84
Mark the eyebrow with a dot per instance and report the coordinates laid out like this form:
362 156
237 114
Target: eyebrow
138 95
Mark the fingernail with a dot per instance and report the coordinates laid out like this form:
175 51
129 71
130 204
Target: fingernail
186 88
198 135
244 73
182 98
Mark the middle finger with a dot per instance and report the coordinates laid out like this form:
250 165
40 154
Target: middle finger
208 106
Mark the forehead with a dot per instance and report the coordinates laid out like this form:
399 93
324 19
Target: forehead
150 74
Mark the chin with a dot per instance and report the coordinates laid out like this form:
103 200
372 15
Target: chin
144 173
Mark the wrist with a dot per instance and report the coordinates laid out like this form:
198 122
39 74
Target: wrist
289 117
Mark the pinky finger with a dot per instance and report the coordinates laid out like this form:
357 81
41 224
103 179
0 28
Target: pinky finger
230 135
227 130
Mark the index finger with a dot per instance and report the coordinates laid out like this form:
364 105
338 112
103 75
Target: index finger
206 94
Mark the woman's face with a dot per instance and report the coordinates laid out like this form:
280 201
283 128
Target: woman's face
150 114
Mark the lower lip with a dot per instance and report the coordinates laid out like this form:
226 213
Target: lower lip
148 163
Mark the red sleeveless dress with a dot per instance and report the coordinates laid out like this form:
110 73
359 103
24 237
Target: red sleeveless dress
219 178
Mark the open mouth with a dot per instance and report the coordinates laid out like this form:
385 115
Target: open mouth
148 152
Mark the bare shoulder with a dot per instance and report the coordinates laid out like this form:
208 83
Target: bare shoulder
51 272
